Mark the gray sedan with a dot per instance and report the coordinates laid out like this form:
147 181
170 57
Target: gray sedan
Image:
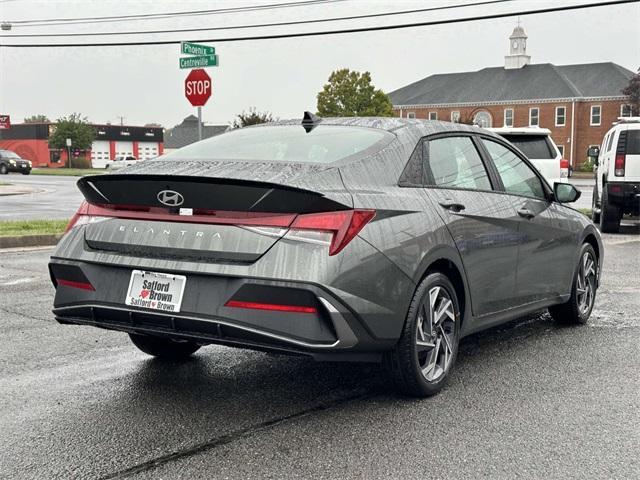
352 239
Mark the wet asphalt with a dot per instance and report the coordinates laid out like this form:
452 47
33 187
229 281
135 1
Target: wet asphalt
529 399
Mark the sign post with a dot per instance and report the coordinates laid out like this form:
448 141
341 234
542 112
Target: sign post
68 153
197 89
197 86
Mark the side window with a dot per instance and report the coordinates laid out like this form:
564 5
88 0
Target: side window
455 162
517 177
611 135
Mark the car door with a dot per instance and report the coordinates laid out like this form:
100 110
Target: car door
548 231
481 220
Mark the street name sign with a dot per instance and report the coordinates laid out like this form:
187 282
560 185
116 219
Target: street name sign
188 48
199 62
197 87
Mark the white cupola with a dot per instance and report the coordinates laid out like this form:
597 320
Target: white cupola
517 57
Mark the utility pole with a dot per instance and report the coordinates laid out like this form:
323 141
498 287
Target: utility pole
121 119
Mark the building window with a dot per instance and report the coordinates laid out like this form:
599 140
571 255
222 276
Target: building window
455 117
596 113
508 117
482 119
433 115
534 117
561 116
411 114
561 150
626 111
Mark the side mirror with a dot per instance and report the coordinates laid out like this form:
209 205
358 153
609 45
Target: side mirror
565 192
593 151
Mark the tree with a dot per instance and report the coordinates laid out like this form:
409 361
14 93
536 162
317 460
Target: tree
40 118
252 117
633 92
351 94
77 128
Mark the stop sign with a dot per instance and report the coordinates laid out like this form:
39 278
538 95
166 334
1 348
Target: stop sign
197 87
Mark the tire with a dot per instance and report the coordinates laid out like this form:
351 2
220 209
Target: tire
595 217
26 173
163 347
420 363
577 310
3 169
610 215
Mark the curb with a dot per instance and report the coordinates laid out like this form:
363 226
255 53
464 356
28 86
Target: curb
30 240
12 190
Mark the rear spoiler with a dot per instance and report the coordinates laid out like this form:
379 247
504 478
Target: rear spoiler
202 193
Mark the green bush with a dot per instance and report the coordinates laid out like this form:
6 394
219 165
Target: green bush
587 166
80 162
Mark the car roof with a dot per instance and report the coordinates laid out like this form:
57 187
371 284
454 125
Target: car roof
390 124
520 130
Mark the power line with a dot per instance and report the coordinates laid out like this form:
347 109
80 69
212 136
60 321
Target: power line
331 32
153 16
276 24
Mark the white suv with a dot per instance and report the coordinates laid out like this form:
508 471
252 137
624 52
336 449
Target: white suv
617 189
538 146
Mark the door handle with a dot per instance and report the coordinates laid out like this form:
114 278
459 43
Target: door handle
451 205
526 213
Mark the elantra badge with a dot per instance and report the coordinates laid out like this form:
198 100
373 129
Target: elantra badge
170 198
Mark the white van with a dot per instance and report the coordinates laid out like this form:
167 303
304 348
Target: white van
538 146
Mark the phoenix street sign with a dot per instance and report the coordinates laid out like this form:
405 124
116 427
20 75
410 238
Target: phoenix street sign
188 48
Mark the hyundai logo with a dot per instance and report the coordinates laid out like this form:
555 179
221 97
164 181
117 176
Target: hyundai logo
170 198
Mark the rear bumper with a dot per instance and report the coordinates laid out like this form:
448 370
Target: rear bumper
334 332
625 195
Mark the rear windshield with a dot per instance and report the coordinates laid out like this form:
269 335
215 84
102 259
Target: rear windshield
533 146
286 143
633 142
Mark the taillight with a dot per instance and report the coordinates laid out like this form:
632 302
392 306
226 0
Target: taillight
620 164
343 225
82 210
564 163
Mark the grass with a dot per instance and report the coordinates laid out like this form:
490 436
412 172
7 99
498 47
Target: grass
585 211
31 227
74 172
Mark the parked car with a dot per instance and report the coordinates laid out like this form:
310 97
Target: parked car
617 190
11 162
539 147
120 161
363 239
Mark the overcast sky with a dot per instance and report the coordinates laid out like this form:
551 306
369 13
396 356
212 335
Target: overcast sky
145 85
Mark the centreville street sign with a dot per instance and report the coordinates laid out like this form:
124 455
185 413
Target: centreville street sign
199 62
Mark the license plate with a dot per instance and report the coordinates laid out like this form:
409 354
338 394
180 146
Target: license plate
155 291
23 166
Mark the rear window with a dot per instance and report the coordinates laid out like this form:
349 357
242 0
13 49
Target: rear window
533 146
633 142
286 143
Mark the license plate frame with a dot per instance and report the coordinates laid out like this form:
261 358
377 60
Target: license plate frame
165 291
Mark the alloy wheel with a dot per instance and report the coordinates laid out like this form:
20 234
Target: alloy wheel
435 334
586 283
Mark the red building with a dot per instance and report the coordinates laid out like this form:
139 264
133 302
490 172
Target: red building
578 103
31 141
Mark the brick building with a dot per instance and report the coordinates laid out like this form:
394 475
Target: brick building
578 103
31 142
